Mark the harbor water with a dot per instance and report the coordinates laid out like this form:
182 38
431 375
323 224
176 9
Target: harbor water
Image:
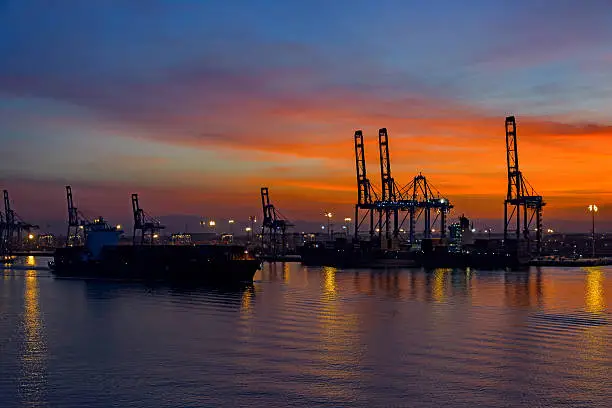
310 337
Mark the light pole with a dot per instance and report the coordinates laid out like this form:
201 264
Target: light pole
212 225
252 220
329 217
593 209
231 226
347 221
248 231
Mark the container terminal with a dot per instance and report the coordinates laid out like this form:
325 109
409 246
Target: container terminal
395 225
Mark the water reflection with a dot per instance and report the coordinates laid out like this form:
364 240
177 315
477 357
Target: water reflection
30 261
34 351
276 271
523 288
246 303
329 282
337 342
314 337
438 283
594 297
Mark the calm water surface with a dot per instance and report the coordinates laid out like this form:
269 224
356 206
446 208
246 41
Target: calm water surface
311 337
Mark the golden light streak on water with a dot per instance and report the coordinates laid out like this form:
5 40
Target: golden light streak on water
34 352
286 275
594 297
329 282
246 301
438 283
30 261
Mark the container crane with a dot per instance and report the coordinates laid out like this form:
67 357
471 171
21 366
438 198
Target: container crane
76 222
389 196
274 226
366 196
13 226
146 228
523 206
421 199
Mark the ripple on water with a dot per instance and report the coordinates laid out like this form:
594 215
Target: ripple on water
311 337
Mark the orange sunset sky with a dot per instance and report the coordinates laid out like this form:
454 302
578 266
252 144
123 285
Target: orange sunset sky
196 105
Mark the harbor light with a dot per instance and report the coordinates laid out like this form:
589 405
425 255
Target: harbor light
329 226
593 209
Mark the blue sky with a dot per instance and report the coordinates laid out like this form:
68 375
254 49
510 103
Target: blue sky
204 99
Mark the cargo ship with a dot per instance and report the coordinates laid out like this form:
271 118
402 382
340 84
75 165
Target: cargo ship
103 258
342 253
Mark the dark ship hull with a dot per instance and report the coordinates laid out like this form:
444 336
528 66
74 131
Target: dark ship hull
339 254
499 260
348 255
161 263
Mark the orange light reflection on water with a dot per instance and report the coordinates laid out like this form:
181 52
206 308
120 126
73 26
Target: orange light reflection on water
35 350
594 296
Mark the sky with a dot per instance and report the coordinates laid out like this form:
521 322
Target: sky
195 105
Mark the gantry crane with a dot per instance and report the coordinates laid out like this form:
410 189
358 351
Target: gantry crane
420 199
274 227
77 222
416 199
13 226
366 196
523 206
389 196
146 228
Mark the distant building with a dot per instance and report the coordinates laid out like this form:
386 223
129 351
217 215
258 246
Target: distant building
460 234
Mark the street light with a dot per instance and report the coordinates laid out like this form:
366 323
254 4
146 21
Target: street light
31 237
593 209
347 227
329 217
